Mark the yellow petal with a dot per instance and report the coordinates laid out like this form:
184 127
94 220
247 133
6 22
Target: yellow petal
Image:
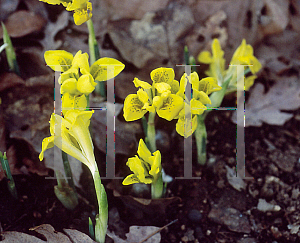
131 179
86 84
138 168
249 81
165 75
46 144
209 85
197 107
143 151
53 2
186 127
240 51
158 101
58 60
170 107
77 4
183 82
139 83
59 129
80 131
81 61
205 57
194 81
70 73
142 95
174 86
201 96
162 87
83 11
69 86
133 108
70 102
156 165
218 53
99 69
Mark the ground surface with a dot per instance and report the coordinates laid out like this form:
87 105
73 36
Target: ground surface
210 209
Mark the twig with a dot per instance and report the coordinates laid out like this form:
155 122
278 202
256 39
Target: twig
156 231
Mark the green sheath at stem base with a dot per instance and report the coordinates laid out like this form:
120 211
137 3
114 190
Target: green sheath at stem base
151 132
102 217
201 137
157 188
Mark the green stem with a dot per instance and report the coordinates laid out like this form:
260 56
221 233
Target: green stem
217 97
157 188
95 55
68 171
200 133
102 217
201 137
151 132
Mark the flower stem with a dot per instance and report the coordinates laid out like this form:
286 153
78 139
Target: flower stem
200 133
151 132
95 55
157 188
201 137
68 171
102 217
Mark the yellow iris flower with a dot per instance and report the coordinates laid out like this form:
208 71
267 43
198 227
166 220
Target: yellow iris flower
71 134
82 9
187 119
159 97
146 167
242 56
78 78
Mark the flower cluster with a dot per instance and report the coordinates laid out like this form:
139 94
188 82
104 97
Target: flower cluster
78 77
242 56
82 9
146 168
166 97
70 133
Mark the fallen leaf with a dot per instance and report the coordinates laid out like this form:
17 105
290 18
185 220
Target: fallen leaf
154 38
9 80
129 9
49 233
22 23
269 107
276 17
137 234
7 7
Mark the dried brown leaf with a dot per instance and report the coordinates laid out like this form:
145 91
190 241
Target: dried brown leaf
9 80
52 236
22 23
136 234
7 7
270 107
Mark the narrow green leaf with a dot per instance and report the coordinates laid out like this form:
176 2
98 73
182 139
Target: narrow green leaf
10 52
